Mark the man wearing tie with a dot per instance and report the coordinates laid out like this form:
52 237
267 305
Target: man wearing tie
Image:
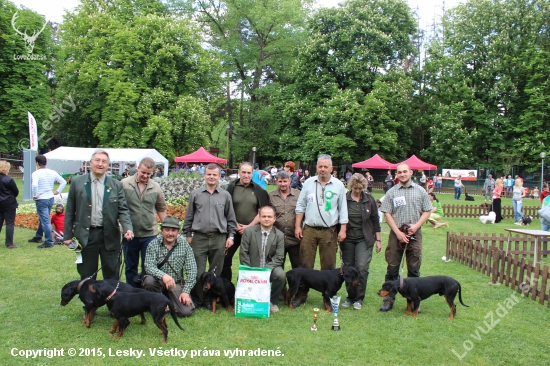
264 246
95 206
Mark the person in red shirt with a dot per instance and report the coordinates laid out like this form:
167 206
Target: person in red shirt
58 221
545 192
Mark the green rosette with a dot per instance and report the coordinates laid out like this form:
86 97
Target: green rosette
328 196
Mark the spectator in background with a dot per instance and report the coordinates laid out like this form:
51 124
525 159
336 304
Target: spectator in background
458 188
496 204
43 181
517 201
306 176
58 223
158 174
290 168
535 193
388 182
132 170
8 202
488 186
273 173
509 183
439 183
348 175
545 201
437 212
370 182
258 177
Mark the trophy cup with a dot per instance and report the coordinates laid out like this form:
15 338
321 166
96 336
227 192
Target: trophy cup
315 317
334 302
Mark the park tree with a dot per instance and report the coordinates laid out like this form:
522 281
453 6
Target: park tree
24 70
138 77
486 84
351 88
257 42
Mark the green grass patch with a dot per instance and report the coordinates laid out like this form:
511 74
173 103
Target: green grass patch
32 318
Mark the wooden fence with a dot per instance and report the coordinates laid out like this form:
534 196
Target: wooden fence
475 210
487 254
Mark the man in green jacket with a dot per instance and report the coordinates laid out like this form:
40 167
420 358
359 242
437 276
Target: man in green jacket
95 206
145 200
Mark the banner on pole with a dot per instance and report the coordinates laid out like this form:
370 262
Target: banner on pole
33 133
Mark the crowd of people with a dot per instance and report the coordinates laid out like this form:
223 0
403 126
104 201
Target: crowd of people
304 215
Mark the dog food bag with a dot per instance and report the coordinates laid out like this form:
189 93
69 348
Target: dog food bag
252 293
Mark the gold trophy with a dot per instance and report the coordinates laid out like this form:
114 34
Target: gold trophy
315 317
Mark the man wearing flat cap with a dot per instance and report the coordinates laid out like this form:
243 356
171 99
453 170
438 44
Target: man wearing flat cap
170 267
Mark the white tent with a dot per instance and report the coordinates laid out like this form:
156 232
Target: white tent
66 160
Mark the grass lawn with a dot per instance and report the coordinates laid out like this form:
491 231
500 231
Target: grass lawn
483 334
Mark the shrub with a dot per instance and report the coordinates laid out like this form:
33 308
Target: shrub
177 190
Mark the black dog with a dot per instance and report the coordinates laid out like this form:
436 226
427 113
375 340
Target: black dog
485 208
124 305
90 301
420 288
327 282
219 287
526 220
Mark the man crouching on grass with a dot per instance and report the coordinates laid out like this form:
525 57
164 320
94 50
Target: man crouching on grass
171 268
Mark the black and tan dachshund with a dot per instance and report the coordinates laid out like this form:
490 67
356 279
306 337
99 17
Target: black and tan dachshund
124 305
327 282
219 287
416 289
91 301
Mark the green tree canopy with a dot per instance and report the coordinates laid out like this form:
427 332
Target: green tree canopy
138 77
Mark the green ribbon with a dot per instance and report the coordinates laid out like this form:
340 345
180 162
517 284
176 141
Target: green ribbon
328 196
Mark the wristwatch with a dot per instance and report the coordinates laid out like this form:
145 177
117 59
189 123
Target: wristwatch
232 237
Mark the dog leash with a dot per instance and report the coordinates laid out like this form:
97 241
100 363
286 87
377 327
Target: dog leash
401 280
217 264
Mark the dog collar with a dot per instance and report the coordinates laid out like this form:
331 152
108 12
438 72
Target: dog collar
80 284
111 295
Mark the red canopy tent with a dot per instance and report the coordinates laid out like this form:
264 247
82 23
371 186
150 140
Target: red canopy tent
376 162
417 164
200 156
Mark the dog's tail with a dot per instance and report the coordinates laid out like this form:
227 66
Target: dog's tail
460 296
174 316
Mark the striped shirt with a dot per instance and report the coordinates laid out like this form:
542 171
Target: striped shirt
43 181
182 260
406 204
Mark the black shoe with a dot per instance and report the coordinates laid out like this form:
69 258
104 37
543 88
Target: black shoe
208 305
45 246
12 246
386 306
296 303
35 240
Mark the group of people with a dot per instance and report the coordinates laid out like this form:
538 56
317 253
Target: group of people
319 215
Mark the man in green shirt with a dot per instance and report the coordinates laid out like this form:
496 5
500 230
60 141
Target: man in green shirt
171 268
247 198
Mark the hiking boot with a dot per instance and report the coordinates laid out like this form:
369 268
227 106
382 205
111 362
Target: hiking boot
386 306
35 240
347 303
45 246
12 246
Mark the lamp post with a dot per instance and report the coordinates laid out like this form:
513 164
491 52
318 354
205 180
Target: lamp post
253 157
542 155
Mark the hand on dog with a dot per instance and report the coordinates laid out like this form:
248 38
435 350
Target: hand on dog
185 299
168 281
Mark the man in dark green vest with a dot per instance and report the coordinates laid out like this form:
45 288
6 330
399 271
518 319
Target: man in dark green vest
95 206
